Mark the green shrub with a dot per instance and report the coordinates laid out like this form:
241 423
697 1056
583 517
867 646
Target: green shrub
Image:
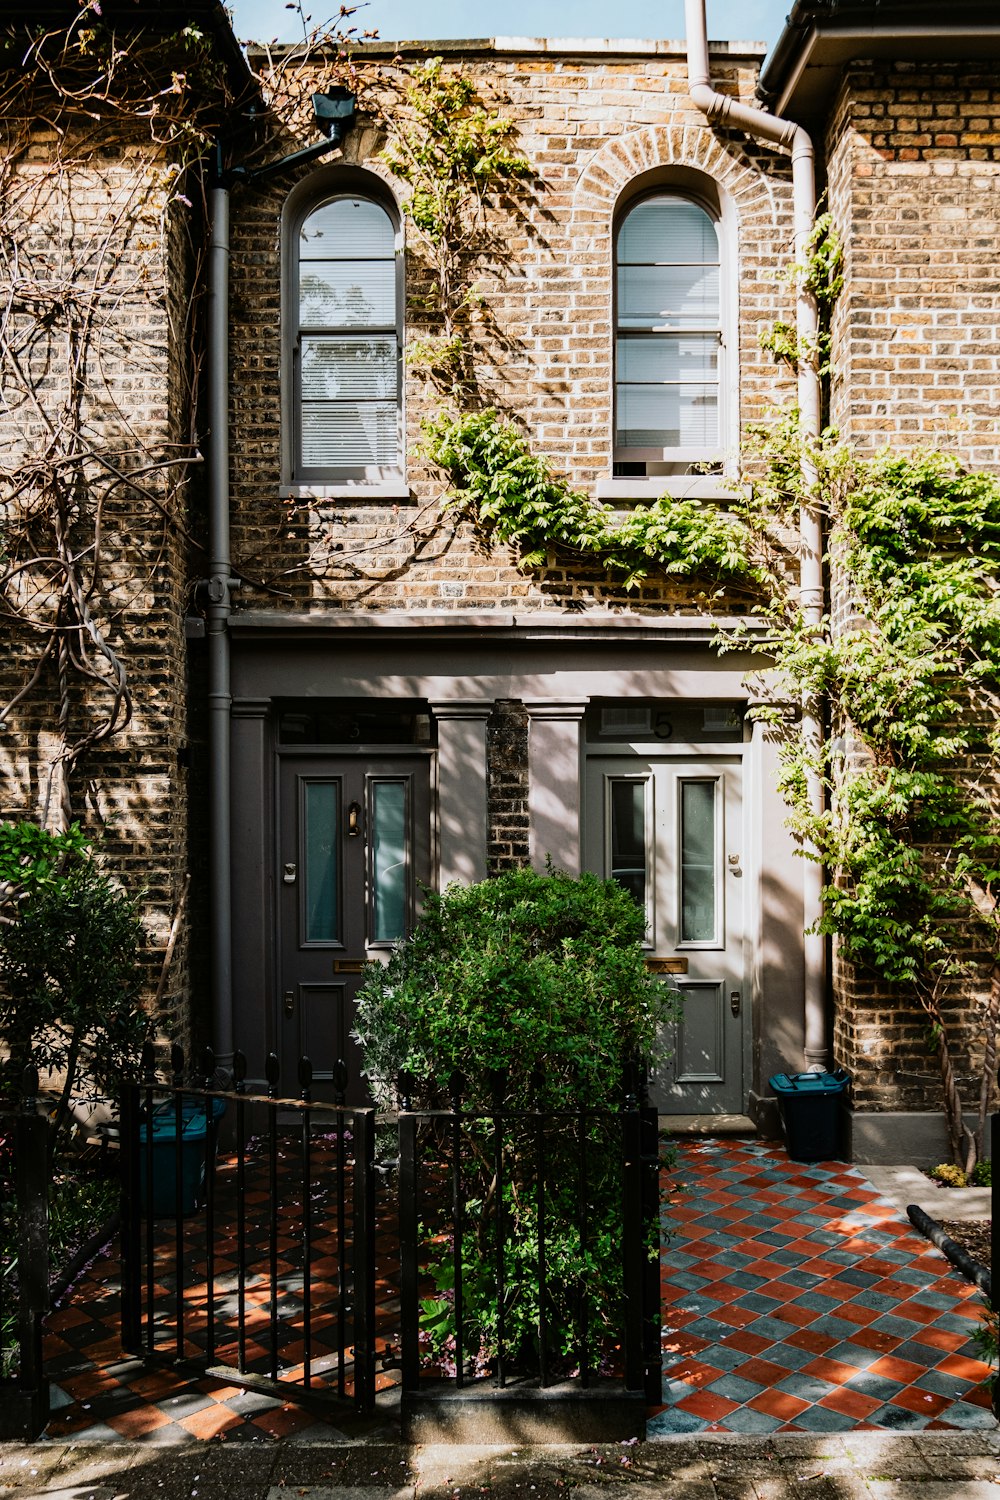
533 990
982 1173
70 974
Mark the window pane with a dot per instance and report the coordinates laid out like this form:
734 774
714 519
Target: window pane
698 873
348 368
347 294
674 357
628 837
389 862
667 229
681 296
668 416
347 227
322 818
348 434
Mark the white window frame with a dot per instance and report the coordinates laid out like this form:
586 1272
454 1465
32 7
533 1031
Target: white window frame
650 465
381 481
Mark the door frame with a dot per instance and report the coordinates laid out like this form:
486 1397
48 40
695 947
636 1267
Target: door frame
648 752
362 756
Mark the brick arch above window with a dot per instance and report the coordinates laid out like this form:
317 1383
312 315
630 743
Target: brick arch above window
749 204
654 148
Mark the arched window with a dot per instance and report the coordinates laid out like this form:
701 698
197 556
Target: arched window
348 336
668 336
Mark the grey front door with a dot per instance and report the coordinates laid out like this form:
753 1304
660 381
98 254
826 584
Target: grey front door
670 829
353 854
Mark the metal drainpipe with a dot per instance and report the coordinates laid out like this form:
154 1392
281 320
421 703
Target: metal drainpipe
217 612
724 110
335 112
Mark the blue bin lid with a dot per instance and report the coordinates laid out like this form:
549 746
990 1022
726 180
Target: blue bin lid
192 1120
810 1083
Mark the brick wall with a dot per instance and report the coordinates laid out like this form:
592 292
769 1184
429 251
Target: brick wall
592 126
914 173
130 789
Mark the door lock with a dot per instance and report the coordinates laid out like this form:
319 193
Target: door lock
288 874
288 1004
735 1001
354 820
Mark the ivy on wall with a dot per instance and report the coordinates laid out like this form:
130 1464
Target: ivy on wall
910 676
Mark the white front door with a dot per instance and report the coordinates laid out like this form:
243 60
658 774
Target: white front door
670 830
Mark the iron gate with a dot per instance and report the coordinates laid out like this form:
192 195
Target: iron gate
263 1243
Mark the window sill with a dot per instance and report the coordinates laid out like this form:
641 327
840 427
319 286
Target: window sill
681 486
347 489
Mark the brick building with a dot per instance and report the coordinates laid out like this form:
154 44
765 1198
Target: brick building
384 701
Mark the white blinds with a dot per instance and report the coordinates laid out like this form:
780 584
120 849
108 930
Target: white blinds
348 341
668 327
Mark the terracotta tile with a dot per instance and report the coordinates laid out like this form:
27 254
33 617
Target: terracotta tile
918 1312
736 1317
927 1403
875 1338
902 1370
831 1370
748 1343
778 1404
137 1423
762 1371
963 1367
211 1422
708 1405
939 1338
809 1339
283 1420
853 1312
850 1403
693 1372
792 1312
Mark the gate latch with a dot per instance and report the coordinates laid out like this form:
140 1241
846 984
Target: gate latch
735 1001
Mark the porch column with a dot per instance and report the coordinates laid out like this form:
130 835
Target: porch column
253 866
554 803
462 816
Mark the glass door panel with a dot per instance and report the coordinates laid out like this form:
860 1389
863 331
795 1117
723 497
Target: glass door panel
698 862
320 838
390 864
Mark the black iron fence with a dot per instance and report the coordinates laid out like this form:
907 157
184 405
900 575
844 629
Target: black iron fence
529 1241
498 1243
24 1265
221 1270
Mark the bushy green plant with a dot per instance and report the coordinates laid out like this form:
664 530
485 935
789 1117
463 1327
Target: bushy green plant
949 1175
522 973
982 1173
532 989
70 973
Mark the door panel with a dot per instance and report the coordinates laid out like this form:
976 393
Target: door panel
670 830
353 854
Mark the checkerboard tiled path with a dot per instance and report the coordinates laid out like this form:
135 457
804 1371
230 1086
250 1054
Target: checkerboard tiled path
796 1299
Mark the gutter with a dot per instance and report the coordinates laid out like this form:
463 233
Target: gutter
730 113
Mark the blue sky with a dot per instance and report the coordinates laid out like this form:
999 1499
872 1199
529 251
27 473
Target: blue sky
398 20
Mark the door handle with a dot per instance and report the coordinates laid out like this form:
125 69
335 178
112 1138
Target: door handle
735 1001
288 1003
288 874
354 820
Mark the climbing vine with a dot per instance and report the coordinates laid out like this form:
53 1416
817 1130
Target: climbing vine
458 156
910 674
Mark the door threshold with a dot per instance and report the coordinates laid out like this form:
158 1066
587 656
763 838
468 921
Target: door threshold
707 1125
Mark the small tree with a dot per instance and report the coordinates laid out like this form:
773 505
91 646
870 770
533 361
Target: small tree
528 993
70 975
